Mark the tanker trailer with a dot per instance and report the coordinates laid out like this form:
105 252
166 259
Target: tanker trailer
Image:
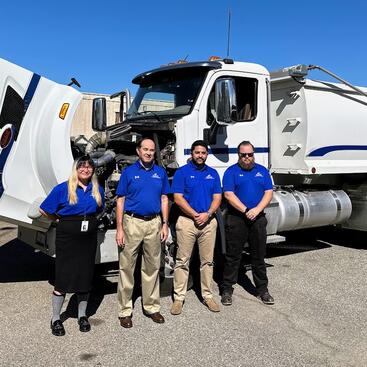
318 150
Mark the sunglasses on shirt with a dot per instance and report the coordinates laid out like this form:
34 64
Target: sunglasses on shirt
244 155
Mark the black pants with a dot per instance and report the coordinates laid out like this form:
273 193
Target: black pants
240 230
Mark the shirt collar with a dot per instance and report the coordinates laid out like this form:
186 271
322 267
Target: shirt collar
89 187
195 167
140 165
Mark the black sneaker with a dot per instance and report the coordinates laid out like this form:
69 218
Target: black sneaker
266 298
84 325
57 328
226 299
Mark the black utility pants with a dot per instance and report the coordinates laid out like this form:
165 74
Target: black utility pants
240 230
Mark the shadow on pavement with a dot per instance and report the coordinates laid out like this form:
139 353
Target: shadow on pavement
316 239
20 263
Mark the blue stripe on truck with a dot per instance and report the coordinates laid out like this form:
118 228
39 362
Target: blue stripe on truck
229 150
320 152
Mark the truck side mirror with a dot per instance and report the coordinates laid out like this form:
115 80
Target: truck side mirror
225 101
99 114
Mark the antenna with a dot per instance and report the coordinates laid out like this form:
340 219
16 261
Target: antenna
229 31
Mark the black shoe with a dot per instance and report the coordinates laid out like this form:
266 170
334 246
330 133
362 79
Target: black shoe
57 328
226 299
266 298
84 325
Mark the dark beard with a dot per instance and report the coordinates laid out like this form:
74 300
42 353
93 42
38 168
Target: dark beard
247 167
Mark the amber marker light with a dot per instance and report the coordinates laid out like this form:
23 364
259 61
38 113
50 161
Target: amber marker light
64 110
214 58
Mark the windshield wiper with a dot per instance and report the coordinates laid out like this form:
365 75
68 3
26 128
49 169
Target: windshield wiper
144 113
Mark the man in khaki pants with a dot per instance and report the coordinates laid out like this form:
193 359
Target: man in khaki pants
142 197
197 192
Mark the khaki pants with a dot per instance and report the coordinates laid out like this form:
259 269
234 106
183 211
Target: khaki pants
187 234
138 231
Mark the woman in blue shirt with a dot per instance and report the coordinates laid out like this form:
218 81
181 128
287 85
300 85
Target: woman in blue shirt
73 205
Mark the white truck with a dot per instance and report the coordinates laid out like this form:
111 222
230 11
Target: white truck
310 134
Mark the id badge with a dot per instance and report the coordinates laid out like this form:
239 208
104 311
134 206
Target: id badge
84 227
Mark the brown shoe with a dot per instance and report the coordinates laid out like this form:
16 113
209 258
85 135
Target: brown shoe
156 317
126 322
176 307
211 304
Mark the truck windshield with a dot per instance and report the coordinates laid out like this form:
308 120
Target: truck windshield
167 94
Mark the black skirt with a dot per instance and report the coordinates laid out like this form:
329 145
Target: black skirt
75 254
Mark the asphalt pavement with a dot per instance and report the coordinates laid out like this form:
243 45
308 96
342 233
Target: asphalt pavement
318 280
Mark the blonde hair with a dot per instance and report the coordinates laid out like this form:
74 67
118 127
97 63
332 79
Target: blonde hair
73 184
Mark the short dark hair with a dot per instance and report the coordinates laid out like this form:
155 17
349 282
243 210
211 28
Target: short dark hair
140 141
245 142
199 143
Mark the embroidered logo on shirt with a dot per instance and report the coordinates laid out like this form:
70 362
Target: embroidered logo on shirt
241 175
136 177
192 176
156 175
258 174
209 177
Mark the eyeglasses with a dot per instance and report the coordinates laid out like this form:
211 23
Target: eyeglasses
85 168
244 155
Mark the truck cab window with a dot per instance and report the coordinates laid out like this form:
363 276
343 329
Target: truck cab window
157 101
167 96
246 93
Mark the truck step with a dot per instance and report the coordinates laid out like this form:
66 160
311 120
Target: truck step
275 238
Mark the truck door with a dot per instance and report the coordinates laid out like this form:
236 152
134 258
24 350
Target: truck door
248 123
35 152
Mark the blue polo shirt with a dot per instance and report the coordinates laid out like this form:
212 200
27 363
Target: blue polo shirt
197 185
248 185
143 188
57 201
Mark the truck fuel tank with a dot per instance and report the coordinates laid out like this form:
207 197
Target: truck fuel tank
291 210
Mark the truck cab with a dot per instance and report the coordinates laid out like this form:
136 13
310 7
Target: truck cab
192 97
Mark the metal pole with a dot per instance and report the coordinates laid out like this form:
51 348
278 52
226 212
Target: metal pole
229 31
312 67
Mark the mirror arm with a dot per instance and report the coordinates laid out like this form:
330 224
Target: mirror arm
210 134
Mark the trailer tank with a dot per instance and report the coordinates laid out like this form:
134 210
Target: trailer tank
317 128
318 141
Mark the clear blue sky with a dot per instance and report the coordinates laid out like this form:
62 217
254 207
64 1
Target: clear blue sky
105 44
